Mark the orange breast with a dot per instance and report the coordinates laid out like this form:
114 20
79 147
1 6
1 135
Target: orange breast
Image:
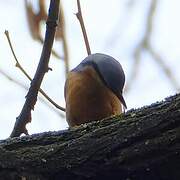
88 99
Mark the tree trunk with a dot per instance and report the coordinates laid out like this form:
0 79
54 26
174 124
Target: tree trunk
143 144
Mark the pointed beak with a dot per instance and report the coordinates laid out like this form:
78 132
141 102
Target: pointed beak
121 98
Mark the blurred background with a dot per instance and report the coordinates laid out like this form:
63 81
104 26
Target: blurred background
142 35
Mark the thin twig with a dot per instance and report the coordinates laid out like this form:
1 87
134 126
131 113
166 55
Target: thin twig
64 40
18 65
17 62
34 21
145 44
81 21
165 68
54 53
142 45
31 97
10 78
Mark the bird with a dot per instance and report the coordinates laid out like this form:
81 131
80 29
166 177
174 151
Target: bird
93 90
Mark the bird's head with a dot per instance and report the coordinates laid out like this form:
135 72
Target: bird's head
109 70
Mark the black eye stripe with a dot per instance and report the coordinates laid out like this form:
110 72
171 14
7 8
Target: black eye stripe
109 70
94 65
102 78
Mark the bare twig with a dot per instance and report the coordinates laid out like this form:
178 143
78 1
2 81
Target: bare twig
66 54
142 45
18 65
17 62
34 20
54 53
10 78
81 21
31 98
145 44
165 68
61 25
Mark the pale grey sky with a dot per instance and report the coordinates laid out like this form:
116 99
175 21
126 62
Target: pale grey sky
114 28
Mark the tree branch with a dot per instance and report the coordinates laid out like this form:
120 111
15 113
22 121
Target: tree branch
18 65
145 44
15 81
165 68
142 44
142 144
64 40
31 98
81 21
34 20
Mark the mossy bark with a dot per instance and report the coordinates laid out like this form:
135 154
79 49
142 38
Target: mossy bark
142 144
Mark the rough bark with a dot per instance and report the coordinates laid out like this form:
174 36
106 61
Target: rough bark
142 144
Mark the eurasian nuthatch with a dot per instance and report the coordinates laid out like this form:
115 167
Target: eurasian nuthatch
93 90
